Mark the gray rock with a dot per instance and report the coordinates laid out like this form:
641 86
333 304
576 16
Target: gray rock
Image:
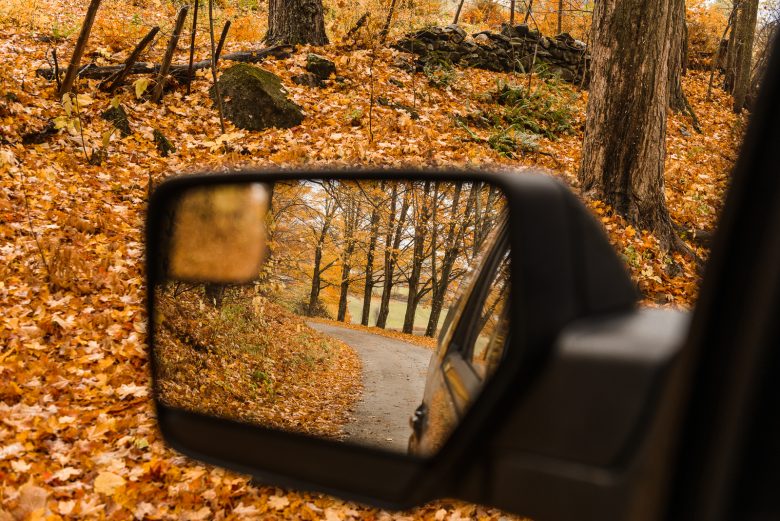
254 99
308 79
455 33
118 117
163 144
320 66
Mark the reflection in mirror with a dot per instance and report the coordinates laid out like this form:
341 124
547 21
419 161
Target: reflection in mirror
379 314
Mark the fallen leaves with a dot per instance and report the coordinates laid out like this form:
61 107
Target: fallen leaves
72 334
108 483
252 360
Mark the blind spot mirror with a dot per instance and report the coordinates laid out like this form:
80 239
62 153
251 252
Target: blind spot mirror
379 314
219 233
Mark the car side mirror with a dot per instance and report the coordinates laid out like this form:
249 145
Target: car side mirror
536 265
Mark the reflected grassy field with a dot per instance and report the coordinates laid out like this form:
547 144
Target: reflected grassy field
395 320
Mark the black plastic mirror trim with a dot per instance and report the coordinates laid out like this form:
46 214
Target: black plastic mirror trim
550 288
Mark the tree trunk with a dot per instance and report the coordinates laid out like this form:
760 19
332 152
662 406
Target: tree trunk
624 145
744 34
678 59
528 11
296 22
386 29
351 212
78 51
314 294
442 280
560 16
457 12
762 62
390 259
214 294
421 217
368 288
731 52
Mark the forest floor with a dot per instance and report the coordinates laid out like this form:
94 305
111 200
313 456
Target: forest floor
77 432
253 361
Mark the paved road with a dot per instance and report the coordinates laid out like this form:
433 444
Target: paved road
393 384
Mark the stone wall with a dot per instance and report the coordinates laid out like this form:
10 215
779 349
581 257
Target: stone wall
512 49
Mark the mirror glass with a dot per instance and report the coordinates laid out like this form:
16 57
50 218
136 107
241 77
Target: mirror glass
377 315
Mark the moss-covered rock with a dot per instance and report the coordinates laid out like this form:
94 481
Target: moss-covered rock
118 117
254 99
320 66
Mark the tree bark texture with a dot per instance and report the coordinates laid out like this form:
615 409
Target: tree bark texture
452 247
422 215
296 22
762 62
316 276
678 58
743 36
624 145
165 65
391 250
368 288
351 215
78 51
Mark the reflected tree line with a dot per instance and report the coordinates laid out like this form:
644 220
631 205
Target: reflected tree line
403 240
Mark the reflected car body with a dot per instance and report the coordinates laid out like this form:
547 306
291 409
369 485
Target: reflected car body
470 347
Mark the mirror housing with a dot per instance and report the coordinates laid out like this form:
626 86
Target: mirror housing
563 270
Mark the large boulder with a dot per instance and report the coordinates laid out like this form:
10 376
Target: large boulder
254 99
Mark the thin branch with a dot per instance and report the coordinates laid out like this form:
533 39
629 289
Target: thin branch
56 69
192 45
120 76
166 63
214 66
78 51
32 228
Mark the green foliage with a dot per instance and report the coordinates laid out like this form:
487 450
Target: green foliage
260 377
249 5
439 71
546 110
631 256
510 141
62 32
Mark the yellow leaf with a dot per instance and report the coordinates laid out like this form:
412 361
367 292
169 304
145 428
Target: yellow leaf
141 85
108 483
278 502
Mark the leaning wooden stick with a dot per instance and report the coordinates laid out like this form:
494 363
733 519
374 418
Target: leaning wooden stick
78 51
221 43
56 69
166 63
214 66
111 83
192 44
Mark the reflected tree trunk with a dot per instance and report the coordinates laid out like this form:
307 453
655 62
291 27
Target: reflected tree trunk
453 244
390 256
351 212
422 214
368 288
316 277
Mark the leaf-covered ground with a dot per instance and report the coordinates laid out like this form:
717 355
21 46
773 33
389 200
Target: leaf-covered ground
423 341
252 361
77 431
